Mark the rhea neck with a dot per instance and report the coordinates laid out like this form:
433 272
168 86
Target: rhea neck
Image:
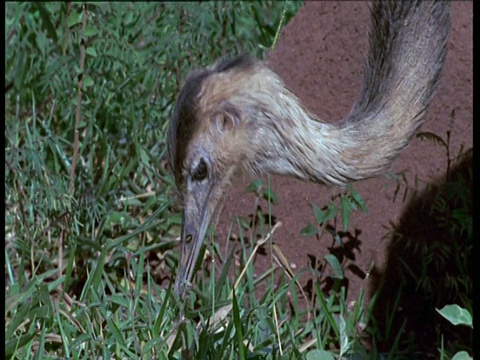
289 140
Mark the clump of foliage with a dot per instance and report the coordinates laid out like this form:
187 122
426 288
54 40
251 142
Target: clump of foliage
89 91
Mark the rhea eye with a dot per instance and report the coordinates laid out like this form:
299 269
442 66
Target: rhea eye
200 172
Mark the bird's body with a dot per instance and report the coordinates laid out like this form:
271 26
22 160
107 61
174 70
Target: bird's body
238 117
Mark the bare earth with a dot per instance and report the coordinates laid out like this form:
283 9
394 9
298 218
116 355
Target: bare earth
320 55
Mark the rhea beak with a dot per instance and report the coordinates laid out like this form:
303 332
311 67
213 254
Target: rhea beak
197 215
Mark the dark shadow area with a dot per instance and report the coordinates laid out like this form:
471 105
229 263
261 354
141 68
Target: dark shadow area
429 266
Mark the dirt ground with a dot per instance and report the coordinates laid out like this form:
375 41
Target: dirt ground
320 55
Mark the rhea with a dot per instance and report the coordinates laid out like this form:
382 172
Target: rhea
238 116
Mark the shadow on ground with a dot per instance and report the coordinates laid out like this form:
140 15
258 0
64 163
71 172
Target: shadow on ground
429 266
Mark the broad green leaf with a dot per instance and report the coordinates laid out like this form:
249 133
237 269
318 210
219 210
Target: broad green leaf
319 214
309 230
331 211
456 315
270 196
255 185
90 31
87 81
357 198
74 19
462 355
91 51
336 267
346 209
319 355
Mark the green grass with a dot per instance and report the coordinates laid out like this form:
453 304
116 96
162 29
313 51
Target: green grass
91 221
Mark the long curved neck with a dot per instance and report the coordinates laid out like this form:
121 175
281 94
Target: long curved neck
407 52
295 143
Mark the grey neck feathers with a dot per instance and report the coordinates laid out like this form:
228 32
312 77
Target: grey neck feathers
407 52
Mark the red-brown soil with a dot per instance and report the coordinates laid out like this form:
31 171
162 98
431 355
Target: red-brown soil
320 55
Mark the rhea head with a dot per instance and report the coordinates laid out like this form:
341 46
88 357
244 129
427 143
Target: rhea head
214 134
